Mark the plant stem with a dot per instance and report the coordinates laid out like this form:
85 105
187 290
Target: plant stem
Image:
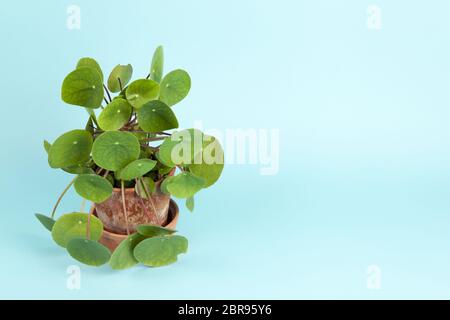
107 92
154 139
106 101
148 196
61 196
122 186
120 84
140 198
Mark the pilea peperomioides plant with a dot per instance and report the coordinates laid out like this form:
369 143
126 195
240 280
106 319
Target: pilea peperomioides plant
127 163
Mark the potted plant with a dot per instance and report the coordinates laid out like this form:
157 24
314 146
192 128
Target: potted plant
127 163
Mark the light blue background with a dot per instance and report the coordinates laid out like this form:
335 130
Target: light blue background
364 152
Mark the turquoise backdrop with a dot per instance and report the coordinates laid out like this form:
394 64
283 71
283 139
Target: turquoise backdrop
363 116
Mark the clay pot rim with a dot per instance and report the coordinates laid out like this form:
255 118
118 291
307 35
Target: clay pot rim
172 205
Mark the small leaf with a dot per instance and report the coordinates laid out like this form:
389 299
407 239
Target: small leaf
88 252
113 150
150 230
190 203
123 257
93 187
142 91
90 63
184 185
155 116
160 251
83 87
122 72
136 169
165 183
149 187
71 148
89 126
156 70
209 163
175 87
115 115
73 225
47 146
47 222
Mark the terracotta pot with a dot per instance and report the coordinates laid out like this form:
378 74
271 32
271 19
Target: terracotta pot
139 211
112 240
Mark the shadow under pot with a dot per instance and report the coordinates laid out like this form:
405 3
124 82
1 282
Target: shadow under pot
154 210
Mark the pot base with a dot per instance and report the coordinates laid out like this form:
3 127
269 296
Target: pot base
112 240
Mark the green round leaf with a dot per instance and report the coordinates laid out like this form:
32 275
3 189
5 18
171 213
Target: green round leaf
113 150
155 116
136 169
142 91
90 63
209 163
150 230
180 148
160 251
115 115
47 146
156 70
73 225
175 87
71 148
88 252
123 257
122 72
144 187
165 183
184 185
93 187
190 203
47 222
83 87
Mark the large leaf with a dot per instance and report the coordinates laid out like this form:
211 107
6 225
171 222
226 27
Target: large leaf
156 70
209 163
142 91
90 63
122 72
113 150
160 251
123 257
181 147
175 87
88 252
73 225
136 169
83 87
47 222
71 148
184 185
115 115
150 230
93 187
155 116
